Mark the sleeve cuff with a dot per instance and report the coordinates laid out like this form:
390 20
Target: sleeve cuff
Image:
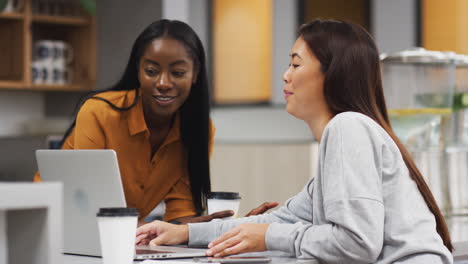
201 234
280 237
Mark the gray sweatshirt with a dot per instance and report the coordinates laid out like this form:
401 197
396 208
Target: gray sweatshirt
361 207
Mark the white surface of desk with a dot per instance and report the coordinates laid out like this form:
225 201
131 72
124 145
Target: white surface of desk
460 253
72 259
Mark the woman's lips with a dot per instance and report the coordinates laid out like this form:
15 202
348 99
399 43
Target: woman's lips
287 94
164 100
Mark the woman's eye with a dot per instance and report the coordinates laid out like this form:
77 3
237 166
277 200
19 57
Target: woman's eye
178 73
295 65
151 72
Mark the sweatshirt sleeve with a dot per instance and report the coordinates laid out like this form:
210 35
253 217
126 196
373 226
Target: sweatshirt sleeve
296 209
350 183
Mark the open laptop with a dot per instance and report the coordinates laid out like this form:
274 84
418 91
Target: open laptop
91 180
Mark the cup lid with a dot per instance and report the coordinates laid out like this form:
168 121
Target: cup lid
224 195
117 211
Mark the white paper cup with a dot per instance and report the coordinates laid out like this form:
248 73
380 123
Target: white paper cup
117 231
220 201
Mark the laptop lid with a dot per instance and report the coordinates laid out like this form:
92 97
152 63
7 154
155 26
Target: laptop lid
91 179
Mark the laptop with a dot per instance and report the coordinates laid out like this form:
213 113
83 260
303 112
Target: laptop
91 180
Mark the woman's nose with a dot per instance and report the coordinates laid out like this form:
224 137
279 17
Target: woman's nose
164 81
286 77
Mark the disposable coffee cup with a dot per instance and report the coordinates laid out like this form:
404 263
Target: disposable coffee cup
117 232
220 201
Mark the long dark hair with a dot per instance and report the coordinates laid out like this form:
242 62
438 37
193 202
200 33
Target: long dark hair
350 61
194 113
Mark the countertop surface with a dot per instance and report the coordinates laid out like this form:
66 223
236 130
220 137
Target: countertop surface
460 257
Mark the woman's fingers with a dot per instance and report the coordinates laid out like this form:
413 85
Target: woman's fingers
139 238
222 214
158 241
148 228
238 248
224 237
207 218
242 239
144 239
262 208
144 242
224 247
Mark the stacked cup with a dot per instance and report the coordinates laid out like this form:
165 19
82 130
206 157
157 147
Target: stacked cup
51 62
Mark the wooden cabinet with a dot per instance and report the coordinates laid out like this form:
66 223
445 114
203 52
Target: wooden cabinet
242 51
443 25
19 31
357 11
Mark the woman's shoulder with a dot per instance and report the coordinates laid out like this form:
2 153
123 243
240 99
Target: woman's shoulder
352 120
354 125
97 103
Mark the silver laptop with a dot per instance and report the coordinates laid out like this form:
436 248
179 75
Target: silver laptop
91 180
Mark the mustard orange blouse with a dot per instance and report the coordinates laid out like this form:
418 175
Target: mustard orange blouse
146 180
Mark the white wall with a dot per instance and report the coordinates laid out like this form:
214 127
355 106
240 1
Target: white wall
394 24
263 172
284 35
119 22
16 108
177 9
258 125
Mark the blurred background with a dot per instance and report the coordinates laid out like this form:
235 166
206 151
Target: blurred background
260 151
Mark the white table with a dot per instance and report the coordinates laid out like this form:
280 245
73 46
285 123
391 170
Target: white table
276 258
460 255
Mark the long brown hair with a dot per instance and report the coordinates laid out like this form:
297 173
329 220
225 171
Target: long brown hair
350 62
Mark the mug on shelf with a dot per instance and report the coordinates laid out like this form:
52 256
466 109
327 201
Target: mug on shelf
44 50
51 62
38 72
63 53
49 75
64 75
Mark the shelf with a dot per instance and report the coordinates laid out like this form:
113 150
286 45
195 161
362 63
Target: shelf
64 88
12 85
22 29
60 20
12 16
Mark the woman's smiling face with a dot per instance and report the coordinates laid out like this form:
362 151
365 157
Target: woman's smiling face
303 82
166 74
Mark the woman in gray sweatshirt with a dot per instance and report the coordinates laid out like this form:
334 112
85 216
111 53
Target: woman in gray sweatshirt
368 202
